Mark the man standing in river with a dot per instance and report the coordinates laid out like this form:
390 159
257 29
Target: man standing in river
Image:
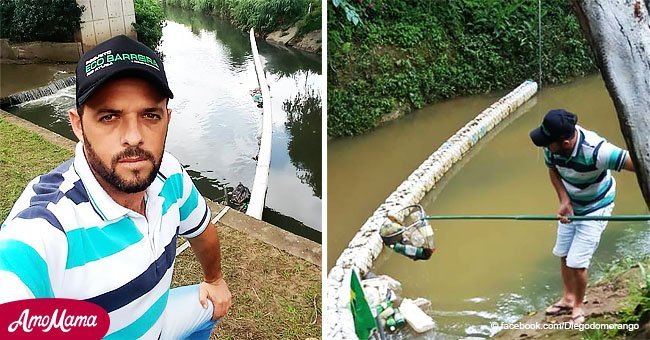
102 227
579 163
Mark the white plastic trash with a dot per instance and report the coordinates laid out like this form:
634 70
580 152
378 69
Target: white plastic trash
416 318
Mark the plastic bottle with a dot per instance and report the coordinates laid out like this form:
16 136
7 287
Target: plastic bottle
427 232
408 250
395 321
387 313
416 238
390 323
399 318
390 228
385 309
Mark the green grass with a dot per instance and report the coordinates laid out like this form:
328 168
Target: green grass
615 269
23 156
275 295
636 309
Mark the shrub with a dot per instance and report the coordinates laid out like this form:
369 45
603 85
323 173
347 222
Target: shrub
6 16
263 15
41 20
149 22
312 21
403 54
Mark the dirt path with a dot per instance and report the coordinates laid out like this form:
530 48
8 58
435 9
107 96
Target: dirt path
604 301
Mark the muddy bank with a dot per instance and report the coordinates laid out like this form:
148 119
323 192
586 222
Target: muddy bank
605 302
309 42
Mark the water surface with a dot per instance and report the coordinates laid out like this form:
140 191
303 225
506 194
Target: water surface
486 271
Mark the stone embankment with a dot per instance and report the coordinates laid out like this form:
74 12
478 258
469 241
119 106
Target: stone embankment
310 42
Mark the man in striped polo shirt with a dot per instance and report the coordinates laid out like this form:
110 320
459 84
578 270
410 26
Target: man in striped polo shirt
102 227
579 163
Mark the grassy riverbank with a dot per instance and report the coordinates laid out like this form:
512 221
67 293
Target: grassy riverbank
404 54
263 15
275 295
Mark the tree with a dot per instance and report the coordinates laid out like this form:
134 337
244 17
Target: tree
42 20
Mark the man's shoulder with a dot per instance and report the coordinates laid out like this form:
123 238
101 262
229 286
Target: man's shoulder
170 165
53 197
591 138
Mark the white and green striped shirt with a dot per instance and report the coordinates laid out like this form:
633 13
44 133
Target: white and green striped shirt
586 173
66 237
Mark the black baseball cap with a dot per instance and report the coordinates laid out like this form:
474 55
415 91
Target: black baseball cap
558 124
117 57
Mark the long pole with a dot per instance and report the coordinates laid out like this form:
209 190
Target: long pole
540 217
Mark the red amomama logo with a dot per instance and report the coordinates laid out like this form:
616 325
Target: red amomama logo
52 319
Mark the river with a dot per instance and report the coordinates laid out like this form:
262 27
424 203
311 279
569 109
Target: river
482 271
215 124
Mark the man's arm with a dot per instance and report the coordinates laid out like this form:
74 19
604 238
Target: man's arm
207 248
628 165
565 209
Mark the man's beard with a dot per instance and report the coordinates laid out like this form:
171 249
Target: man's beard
110 175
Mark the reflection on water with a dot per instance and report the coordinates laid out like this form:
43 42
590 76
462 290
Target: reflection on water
215 125
304 124
486 271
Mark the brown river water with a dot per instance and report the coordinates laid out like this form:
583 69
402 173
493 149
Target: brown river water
482 271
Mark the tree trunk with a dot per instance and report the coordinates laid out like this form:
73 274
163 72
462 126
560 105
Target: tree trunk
619 34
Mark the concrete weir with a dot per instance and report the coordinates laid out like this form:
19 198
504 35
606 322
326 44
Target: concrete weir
47 90
366 245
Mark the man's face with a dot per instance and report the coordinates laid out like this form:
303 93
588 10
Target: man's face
563 147
124 127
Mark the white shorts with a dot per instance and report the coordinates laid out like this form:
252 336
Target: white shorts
578 240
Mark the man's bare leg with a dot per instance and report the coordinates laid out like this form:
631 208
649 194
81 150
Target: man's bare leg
569 281
569 293
581 277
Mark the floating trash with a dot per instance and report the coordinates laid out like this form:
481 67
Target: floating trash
407 232
256 93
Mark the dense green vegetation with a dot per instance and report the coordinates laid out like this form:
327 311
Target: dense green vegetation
39 20
263 15
149 21
631 274
388 56
59 20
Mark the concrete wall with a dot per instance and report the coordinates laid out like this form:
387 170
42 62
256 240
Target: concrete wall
104 19
366 245
6 52
41 51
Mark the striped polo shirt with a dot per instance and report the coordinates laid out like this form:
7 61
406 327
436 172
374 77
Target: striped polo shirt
65 237
586 173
